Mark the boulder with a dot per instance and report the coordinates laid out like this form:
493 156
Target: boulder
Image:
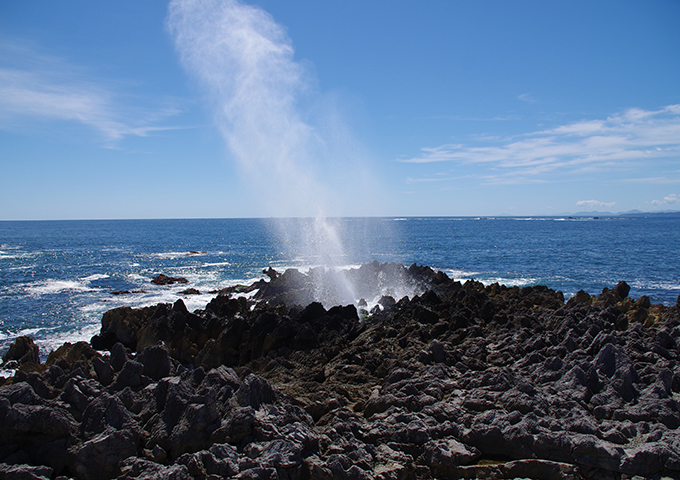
25 472
121 325
23 350
165 280
134 468
102 456
156 361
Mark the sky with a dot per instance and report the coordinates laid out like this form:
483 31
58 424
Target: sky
217 109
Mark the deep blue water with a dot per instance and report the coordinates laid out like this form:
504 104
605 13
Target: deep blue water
56 277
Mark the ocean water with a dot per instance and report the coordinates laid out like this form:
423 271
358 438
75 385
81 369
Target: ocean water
57 277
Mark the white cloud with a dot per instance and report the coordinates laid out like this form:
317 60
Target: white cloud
667 200
39 87
594 204
587 146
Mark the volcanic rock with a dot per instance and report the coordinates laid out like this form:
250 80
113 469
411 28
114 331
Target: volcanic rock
23 350
165 280
452 381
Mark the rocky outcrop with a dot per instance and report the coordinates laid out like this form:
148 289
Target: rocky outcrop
22 350
457 381
166 280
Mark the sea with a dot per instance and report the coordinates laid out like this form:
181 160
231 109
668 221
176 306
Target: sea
57 278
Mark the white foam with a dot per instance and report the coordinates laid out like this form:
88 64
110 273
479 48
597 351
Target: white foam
655 285
96 276
459 275
168 255
52 286
488 278
508 282
55 340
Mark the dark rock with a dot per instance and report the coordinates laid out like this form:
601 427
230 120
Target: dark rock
25 472
131 375
424 387
104 413
255 391
23 350
156 361
104 371
530 468
621 290
189 291
120 325
42 431
441 455
118 356
165 280
220 460
101 456
79 392
134 468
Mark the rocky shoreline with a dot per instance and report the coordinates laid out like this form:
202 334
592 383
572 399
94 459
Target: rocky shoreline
459 381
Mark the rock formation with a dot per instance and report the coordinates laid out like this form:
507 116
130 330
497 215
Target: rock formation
459 381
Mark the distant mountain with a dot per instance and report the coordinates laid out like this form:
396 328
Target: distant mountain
593 214
638 213
629 213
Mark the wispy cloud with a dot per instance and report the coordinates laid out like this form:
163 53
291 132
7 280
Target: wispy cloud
35 86
667 200
594 204
626 138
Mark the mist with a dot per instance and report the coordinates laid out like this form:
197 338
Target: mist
289 141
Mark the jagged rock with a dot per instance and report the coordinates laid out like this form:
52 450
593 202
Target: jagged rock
104 413
530 468
156 361
189 291
72 353
103 370
166 280
133 468
42 431
80 392
101 456
220 459
25 472
120 325
441 455
131 375
23 350
419 387
255 391
118 356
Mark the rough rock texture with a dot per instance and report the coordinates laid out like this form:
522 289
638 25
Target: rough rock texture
166 280
22 350
460 381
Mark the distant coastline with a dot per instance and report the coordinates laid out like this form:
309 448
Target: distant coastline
630 213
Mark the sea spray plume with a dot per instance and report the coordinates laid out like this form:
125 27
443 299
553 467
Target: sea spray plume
244 61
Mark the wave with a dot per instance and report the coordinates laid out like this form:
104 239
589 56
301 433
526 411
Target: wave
488 278
53 286
96 276
654 285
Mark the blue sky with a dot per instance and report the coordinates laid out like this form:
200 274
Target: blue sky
212 108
